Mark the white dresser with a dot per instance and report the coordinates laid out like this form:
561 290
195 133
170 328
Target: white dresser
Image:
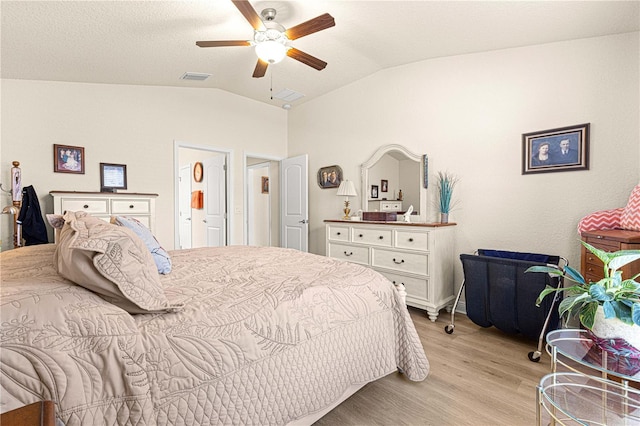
385 205
419 256
105 204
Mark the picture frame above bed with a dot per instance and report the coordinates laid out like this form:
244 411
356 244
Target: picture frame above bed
68 159
113 177
556 150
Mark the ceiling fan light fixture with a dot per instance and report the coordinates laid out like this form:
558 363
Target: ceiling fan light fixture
271 51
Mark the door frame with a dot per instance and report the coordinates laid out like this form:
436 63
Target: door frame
176 176
245 216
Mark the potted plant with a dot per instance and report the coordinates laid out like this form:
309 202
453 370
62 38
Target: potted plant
610 299
445 183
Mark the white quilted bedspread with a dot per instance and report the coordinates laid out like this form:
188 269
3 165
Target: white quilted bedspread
267 336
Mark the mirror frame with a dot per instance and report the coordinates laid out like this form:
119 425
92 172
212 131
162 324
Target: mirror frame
385 149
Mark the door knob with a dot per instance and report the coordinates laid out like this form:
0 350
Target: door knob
304 221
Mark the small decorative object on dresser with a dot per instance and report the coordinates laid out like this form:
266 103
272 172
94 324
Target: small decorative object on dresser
68 159
445 184
112 177
347 189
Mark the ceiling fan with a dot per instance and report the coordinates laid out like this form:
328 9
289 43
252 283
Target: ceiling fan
270 38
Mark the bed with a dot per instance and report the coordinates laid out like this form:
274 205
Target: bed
241 335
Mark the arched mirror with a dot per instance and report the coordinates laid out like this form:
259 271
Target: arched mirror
391 169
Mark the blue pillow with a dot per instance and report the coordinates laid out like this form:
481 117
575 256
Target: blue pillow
160 255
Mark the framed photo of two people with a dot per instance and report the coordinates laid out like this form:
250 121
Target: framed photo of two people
556 150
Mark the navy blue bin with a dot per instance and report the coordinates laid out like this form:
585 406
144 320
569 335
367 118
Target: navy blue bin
499 293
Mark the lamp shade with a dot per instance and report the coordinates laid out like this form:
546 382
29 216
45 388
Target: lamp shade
271 51
347 189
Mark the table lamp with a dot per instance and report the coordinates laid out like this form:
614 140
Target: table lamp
347 189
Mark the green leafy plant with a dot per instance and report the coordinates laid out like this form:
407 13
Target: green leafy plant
618 297
445 183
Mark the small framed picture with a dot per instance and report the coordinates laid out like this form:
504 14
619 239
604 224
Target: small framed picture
113 177
68 159
556 150
265 184
384 185
374 191
329 177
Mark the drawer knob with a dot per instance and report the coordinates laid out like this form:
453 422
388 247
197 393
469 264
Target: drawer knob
398 263
131 206
337 233
381 237
599 237
360 235
348 254
86 206
410 240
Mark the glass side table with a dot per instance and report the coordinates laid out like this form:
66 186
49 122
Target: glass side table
578 399
573 348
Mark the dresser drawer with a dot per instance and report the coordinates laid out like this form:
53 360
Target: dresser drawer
415 263
130 207
350 253
93 206
390 206
378 237
412 240
338 233
416 287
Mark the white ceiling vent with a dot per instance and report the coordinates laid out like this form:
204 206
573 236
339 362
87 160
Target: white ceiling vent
195 76
288 95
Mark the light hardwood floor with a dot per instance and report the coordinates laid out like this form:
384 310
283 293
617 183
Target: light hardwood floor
479 376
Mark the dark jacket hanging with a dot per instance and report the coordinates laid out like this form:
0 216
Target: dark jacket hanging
30 217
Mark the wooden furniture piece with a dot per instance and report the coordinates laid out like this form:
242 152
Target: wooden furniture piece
385 206
417 255
609 240
104 205
37 414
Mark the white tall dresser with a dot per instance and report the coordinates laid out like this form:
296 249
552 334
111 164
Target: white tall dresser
418 255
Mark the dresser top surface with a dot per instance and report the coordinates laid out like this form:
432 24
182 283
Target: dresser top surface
103 194
374 222
621 235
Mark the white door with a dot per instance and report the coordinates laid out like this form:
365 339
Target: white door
294 209
215 203
184 210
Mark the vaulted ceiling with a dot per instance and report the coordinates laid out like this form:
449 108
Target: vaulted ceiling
153 42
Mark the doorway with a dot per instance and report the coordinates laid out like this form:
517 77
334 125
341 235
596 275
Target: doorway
186 156
262 194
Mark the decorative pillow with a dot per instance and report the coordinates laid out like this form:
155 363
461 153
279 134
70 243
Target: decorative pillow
55 220
110 261
631 214
160 255
603 219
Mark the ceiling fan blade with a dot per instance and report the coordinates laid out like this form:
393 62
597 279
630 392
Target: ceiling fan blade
261 69
249 13
311 26
306 59
221 43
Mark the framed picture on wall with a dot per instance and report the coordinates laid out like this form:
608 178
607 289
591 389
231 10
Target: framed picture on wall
374 191
113 177
68 159
384 185
265 184
556 150
329 177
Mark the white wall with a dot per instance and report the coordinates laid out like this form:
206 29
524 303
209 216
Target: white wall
132 125
468 113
